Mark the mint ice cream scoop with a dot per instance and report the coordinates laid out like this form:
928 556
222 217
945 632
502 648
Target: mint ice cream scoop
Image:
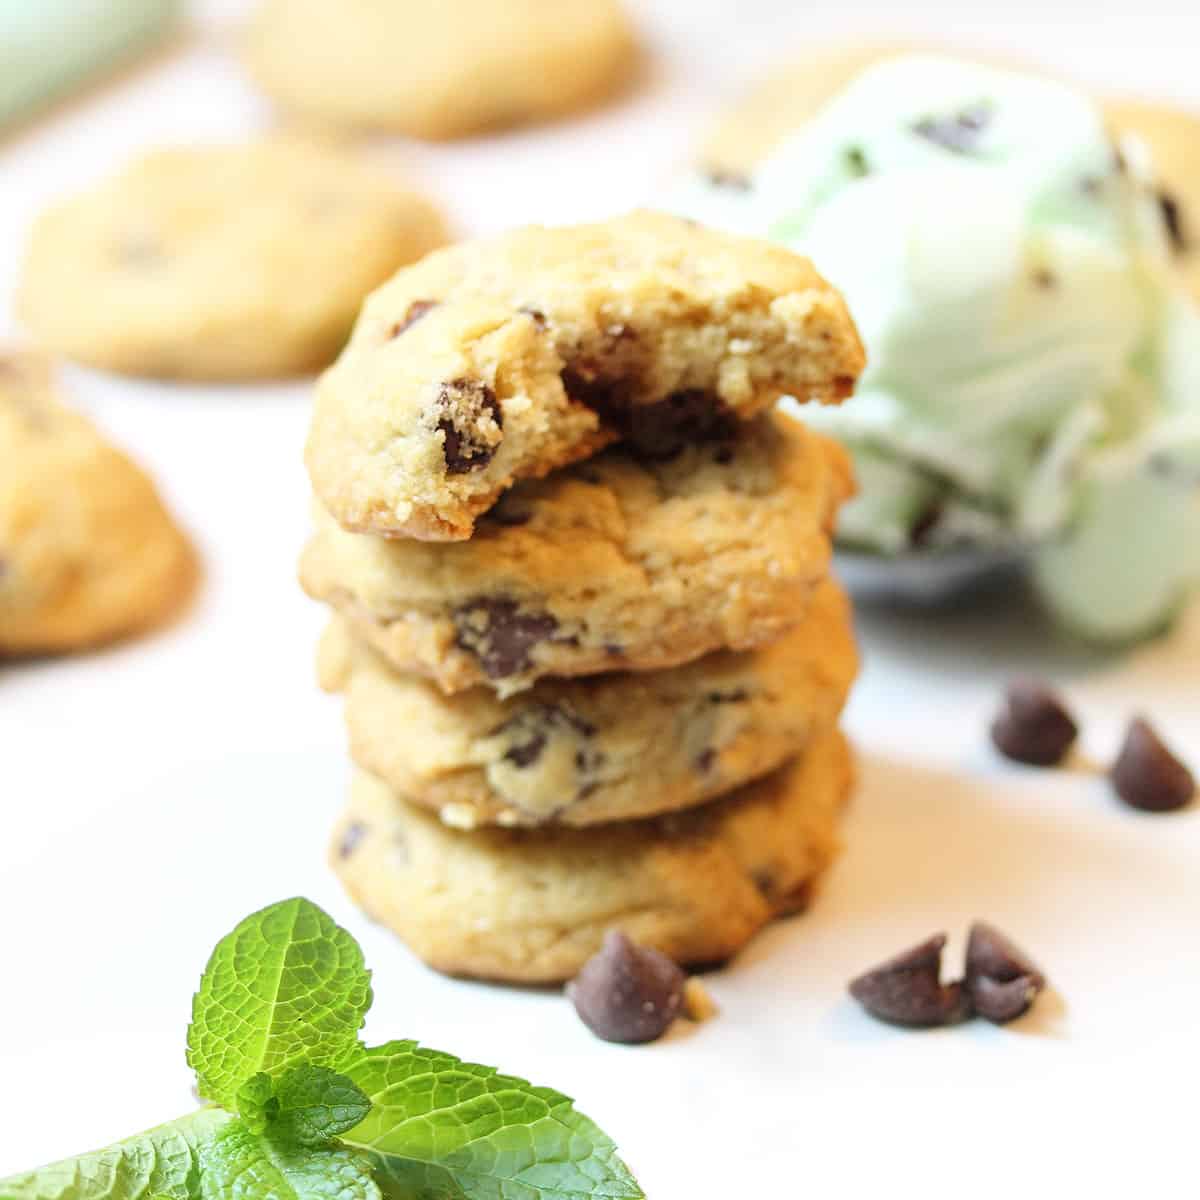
1033 379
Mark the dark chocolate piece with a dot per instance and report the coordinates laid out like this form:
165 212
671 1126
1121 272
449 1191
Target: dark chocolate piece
1147 775
908 990
1034 727
1001 979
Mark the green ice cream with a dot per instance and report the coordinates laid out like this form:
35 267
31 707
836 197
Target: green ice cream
1034 364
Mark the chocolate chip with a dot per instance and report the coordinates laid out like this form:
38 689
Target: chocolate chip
500 635
627 993
1147 775
705 760
735 696
925 524
416 310
613 650
535 315
1034 727
1001 979
530 730
352 836
659 432
907 989
1172 215
471 422
959 133
735 181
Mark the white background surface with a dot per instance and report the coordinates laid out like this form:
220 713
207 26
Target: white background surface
154 794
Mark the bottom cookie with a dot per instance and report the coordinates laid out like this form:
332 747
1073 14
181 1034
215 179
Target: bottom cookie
531 906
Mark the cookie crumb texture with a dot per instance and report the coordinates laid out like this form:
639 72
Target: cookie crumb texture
612 564
88 553
604 748
438 70
532 906
502 360
220 262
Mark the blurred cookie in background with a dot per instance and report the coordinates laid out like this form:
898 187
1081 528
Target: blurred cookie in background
88 553
220 262
438 70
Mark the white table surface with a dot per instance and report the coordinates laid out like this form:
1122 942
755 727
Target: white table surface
154 794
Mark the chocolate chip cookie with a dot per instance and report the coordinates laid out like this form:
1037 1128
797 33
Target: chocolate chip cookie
220 262
88 553
531 906
501 360
438 70
603 748
617 563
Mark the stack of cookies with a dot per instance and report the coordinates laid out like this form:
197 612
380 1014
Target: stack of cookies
592 657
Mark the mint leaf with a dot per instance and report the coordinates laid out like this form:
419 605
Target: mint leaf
443 1129
240 1164
160 1163
316 1105
256 1102
286 987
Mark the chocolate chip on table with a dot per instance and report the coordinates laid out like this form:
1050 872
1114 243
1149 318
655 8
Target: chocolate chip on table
1147 775
500 635
416 310
471 421
1001 980
626 992
1034 726
908 990
1172 214
959 133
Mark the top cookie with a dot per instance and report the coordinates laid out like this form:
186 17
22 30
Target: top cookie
87 551
501 360
438 70
220 262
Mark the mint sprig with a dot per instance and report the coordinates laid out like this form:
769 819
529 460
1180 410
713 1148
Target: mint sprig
304 1111
162 1162
436 1118
287 986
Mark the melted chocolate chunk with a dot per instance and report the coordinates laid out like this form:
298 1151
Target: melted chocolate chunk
908 990
959 133
626 992
659 432
500 635
1172 215
1147 775
1001 979
416 310
1034 727
470 412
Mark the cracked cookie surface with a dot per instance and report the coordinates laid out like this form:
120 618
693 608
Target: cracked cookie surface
88 553
531 906
220 262
612 564
601 748
501 360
